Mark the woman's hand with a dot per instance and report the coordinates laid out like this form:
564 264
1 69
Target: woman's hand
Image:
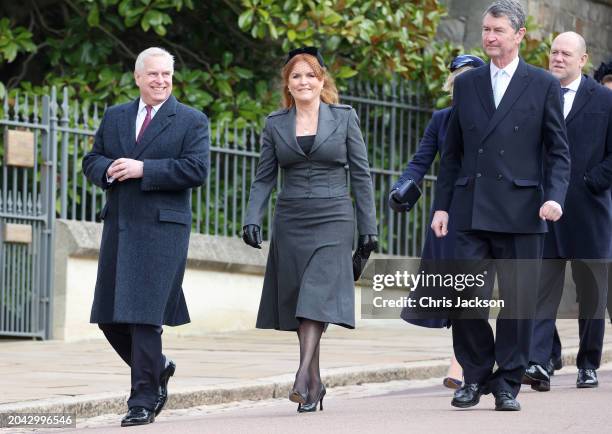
251 234
368 243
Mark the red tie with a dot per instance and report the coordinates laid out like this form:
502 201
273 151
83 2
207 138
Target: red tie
145 124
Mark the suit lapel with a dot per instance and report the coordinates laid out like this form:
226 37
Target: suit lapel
287 131
127 127
584 94
516 87
326 125
160 121
485 89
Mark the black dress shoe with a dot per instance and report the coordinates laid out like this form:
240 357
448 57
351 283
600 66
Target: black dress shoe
587 378
537 377
505 401
468 395
554 364
162 397
138 416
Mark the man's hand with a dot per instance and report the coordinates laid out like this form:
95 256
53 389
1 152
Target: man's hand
551 210
125 168
439 223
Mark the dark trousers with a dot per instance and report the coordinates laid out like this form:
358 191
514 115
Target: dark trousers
610 291
476 349
591 279
556 346
140 346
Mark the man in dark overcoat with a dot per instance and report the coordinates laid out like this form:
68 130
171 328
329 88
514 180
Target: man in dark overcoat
584 233
506 164
147 155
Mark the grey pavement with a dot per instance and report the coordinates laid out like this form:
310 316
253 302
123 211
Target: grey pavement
394 407
89 378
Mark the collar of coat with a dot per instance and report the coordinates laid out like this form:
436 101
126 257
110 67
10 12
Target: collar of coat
328 121
127 125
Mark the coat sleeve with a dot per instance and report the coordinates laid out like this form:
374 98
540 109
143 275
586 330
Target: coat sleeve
425 154
264 182
557 156
96 163
599 177
450 162
189 170
361 180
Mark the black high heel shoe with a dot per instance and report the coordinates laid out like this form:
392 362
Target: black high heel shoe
312 406
299 397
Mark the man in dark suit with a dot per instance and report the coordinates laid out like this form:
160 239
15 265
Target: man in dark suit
584 234
147 155
507 165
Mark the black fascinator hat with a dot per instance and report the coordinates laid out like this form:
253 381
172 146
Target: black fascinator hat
313 51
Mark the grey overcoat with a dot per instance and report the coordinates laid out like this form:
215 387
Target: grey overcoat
147 221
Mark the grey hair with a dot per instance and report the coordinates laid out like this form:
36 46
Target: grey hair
508 8
152 51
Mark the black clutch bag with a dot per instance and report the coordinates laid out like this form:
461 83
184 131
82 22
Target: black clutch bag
405 197
360 258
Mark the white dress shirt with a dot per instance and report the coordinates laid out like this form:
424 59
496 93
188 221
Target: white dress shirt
570 95
142 114
500 79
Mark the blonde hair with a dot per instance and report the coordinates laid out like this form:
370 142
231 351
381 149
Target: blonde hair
329 93
450 80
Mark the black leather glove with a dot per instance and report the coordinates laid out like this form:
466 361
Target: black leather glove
394 204
251 234
367 243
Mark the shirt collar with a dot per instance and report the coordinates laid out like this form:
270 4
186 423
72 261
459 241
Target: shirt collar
142 105
573 86
510 68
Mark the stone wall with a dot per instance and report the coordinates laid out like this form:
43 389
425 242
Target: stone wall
590 18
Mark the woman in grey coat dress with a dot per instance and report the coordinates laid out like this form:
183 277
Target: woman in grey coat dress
309 280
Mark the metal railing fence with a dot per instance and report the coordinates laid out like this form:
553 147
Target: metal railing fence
393 117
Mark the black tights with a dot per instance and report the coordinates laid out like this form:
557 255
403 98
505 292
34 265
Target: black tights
308 376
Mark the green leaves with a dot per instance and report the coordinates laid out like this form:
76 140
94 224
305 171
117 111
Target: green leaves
229 53
14 41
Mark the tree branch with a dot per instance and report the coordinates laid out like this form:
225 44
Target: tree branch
14 81
194 56
43 23
105 31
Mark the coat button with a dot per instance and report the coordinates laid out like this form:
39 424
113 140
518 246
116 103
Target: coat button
499 177
516 128
478 175
480 151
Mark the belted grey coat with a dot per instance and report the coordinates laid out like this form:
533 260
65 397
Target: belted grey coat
147 221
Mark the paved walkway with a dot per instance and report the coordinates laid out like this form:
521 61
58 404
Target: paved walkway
48 375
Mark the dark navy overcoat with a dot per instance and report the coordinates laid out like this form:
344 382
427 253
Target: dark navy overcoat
147 221
585 228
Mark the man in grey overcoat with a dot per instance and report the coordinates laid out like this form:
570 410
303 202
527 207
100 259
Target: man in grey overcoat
147 155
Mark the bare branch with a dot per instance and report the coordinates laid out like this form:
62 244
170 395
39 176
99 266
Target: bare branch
43 23
105 31
14 81
194 56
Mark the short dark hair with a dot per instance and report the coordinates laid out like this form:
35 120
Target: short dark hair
606 79
508 8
